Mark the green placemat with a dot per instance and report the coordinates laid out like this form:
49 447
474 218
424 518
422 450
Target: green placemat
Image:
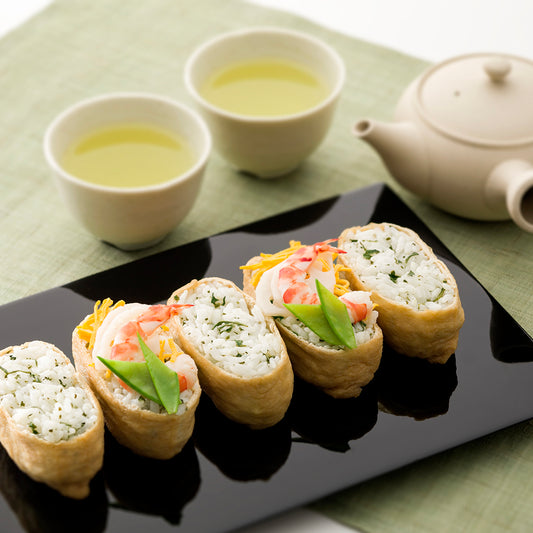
76 49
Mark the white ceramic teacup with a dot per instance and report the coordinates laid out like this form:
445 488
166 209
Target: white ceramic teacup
136 217
266 146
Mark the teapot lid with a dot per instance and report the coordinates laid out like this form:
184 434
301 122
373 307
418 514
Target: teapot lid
480 98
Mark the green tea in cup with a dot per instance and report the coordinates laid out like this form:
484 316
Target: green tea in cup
268 96
264 87
128 155
129 166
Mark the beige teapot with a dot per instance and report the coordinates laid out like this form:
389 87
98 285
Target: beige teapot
463 137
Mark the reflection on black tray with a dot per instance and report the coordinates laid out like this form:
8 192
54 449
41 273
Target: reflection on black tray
291 221
138 282
151 486
509 342
240 453
409 386
41 509
329 422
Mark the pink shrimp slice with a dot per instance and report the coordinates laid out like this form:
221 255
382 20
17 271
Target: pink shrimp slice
126 346
308 254
296 283
294 289
186 369
356 311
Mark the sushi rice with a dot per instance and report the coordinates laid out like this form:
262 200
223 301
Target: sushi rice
390 262
227 333
39 391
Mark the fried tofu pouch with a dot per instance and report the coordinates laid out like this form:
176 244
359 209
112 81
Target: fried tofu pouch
393 263
340 373
243 365
67 465
157 435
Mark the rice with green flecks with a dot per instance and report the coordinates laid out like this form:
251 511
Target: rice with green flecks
226 332
390 262
39 391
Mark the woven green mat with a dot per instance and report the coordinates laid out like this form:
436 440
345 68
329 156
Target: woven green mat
76 49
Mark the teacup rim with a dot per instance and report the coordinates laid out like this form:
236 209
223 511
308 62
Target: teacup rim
331 98
200 162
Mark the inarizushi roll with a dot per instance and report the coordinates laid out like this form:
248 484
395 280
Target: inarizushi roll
242 361
331 333
419 306
51 424
147 386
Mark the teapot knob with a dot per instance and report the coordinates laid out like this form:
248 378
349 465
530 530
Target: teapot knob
497 68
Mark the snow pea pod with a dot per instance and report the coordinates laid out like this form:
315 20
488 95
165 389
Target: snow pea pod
165 380
313 317
135 374
337 315
152 378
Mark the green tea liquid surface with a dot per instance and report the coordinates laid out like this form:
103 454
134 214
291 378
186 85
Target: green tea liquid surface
264 88
128 155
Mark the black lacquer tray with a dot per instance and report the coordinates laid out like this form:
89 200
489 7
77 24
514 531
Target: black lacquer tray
229 476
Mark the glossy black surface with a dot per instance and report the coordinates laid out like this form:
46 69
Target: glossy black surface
228 475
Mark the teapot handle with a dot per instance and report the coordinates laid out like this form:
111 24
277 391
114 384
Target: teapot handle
510 186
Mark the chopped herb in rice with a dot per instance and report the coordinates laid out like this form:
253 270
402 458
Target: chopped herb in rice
225 331
389 261
39 392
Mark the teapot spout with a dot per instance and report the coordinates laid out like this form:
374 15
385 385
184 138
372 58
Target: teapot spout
510 189
401 148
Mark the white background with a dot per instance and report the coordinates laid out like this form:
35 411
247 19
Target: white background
432 30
